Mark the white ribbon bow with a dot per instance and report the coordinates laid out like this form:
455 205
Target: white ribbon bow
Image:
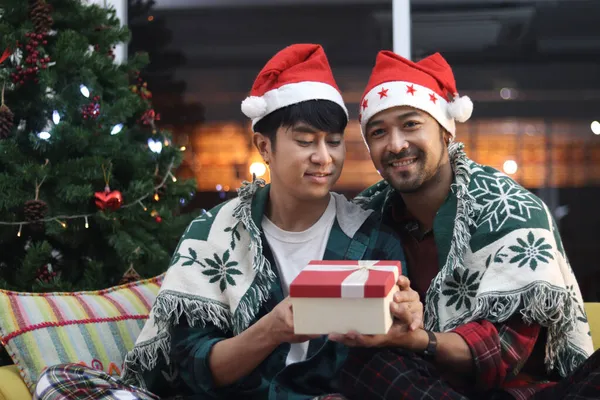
354 284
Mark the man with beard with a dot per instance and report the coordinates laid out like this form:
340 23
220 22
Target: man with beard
504 315
221 326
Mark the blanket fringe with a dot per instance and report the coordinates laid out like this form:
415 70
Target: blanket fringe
144 357
464 208
461 235
249 305
168 308
542 303
364 199
259 291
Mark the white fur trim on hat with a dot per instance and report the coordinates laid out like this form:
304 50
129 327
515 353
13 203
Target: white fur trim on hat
460 108
401 93
254 107
257 108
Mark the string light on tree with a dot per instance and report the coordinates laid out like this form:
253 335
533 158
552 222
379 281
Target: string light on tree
35 216
84 90
44 135
73 223
154 214
155 146
116 129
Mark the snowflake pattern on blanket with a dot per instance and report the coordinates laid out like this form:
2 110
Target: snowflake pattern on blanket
503 255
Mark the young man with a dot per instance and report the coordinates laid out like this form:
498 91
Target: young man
504 315
222 324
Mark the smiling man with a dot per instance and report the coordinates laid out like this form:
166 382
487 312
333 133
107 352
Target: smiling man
504 315
222 323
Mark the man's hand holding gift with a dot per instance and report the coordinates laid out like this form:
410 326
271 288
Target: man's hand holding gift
407 330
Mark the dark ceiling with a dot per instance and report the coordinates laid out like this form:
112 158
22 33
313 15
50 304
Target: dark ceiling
548 51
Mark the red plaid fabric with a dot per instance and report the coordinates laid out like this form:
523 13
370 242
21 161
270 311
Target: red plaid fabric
385 374
393 375
583 384
76 382
502 352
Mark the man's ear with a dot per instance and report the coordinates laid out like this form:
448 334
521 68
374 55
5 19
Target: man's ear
263 145
447 137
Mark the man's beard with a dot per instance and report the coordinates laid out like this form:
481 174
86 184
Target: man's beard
421 177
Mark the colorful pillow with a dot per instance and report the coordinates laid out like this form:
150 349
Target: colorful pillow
94 328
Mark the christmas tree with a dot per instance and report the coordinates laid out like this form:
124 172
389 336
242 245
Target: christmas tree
88 194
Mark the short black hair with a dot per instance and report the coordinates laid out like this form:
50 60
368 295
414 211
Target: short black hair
324 115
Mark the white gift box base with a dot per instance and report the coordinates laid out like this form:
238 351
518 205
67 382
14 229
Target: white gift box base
322 316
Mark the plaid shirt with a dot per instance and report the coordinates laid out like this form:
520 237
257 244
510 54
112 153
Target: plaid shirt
272 379
392 374
503 354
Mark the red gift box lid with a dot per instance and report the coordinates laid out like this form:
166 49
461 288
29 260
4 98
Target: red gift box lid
346 278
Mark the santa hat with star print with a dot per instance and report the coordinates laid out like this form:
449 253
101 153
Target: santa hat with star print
427 85
299 72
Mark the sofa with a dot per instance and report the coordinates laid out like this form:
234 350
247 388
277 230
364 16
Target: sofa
92 328
12 386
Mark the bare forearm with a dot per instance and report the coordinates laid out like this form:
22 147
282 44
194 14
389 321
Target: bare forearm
235 358
453 354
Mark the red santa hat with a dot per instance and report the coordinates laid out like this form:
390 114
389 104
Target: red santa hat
297 73
427 85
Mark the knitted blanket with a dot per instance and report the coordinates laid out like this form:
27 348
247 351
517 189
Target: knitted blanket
218 275
500 254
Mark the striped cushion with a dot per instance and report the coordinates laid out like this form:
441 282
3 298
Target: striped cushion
94 328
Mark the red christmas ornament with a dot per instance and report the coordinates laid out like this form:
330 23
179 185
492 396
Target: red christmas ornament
91 110
5 55
33 59
150 116
158 219
45 273
108 199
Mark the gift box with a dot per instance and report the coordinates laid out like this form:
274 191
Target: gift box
342 296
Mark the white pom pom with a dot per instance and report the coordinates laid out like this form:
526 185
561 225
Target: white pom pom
461 108
254 107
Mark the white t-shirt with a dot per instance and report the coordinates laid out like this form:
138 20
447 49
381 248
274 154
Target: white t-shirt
292 251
